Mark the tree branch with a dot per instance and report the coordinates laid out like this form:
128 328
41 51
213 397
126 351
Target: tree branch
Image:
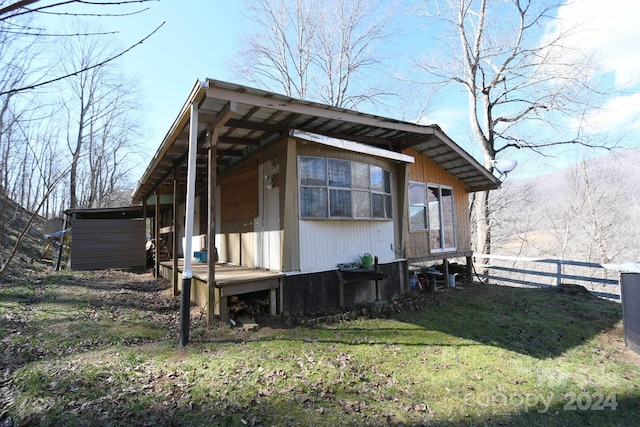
75 73
24 3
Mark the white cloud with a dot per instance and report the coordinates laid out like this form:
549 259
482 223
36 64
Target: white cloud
610 31
618 113
448 119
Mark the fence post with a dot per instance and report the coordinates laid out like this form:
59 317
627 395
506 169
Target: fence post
558 273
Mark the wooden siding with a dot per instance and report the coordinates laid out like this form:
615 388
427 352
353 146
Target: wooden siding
237 248
107 243
311 149
289 206
319 292
239 193
241 216
426 170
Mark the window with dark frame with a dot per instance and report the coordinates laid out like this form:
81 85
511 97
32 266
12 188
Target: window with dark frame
338 188
431 208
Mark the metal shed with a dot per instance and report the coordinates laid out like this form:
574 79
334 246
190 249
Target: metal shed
630 290
107 238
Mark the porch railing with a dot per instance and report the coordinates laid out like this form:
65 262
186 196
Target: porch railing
545 272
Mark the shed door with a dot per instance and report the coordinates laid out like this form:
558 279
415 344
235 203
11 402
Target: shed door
268 253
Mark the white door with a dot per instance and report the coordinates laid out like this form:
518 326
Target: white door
268 253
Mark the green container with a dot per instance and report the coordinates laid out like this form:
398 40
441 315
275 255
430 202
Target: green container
367 260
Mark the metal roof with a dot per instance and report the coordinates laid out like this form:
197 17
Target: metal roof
122 212
248 119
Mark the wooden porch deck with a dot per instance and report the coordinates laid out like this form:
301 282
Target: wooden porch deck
230 280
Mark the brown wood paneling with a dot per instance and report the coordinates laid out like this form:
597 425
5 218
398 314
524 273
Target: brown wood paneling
426 170
311 293
320 292
239 193
418 243
107 243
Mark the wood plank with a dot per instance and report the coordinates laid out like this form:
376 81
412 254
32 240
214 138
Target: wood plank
239 193
242 287
177 192
166 230
211 224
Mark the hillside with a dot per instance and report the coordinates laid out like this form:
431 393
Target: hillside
13 219
587 212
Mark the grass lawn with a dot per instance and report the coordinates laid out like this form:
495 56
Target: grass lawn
101 349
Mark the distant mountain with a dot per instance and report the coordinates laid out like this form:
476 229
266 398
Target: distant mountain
590 211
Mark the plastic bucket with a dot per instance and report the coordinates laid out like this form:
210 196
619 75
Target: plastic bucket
452 280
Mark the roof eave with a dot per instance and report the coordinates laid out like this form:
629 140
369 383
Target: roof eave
198 92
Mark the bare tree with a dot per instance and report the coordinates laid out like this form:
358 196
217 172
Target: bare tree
110 146
100 121
32 162
517 84
513 217
582 213
606 222
15 68
347 52
309 49
6 262
12 14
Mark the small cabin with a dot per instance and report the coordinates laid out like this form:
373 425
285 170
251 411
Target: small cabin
291 196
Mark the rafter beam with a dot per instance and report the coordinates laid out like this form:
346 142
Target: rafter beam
238 141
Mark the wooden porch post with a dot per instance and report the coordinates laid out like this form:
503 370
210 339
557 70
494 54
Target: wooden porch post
402 226
445 271
144 220
469 277
156 236
216 303
176 230
211 228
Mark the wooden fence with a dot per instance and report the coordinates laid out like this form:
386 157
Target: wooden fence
545 272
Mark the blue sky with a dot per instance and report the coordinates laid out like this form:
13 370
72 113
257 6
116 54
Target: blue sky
199 38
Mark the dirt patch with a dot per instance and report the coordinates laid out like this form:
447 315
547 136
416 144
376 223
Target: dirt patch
615 338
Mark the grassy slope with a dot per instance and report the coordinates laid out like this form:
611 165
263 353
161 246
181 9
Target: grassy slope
101 349
13 219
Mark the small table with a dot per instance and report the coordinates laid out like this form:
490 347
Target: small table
357 274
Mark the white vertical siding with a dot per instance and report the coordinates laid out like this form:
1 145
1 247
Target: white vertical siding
324 244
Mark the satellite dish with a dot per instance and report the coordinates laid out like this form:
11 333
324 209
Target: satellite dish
505 166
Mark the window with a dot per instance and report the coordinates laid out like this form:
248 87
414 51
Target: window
336 188
417 206
431 208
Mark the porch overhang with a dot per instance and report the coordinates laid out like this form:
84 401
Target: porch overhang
259 118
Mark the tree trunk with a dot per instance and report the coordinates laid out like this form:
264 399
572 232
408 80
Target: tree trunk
483 227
